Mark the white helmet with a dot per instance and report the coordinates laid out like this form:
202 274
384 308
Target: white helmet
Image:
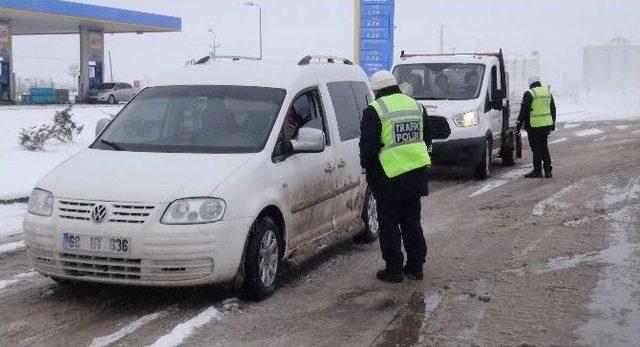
382 79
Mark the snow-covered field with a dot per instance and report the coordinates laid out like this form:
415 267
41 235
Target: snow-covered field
20 169
601 107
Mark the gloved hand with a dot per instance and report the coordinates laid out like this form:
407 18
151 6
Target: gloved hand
553 127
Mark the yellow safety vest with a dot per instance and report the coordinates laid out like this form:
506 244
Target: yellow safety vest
402 134
540 115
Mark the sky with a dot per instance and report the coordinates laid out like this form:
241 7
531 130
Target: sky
559 29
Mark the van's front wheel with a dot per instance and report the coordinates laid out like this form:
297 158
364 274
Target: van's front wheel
483 169
262 260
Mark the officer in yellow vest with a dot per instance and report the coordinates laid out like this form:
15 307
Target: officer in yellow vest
538 117
394 141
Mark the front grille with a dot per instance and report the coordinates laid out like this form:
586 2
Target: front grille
439 127
86 265
118 212
90 266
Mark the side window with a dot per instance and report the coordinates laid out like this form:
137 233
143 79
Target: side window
305 112
363 97
346 109
494 81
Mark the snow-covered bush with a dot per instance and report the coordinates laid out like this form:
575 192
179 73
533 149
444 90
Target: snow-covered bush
64 129
35 137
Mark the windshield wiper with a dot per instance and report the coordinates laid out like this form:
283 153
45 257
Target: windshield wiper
113 145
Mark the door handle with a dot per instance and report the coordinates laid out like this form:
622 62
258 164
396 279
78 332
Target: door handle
342 163
329 169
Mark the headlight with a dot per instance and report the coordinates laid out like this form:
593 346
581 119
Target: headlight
194 211
40 202
466 119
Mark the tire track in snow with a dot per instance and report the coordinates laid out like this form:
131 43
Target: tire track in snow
554 200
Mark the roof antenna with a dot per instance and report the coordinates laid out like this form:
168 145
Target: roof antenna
477 45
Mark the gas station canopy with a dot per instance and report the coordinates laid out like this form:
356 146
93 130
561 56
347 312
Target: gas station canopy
63 17
91 22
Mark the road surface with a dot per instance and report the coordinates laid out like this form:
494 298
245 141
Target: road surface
511 261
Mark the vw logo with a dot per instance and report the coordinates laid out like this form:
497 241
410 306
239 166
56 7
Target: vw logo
99 213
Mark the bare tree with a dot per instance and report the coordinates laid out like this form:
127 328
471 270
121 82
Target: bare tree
73 70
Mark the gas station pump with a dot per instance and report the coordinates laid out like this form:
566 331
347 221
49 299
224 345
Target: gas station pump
5 79
95 74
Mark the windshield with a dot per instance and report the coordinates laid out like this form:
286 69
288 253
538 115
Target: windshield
440 81
195 119
106 86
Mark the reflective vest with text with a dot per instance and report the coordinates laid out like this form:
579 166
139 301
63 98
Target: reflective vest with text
402 134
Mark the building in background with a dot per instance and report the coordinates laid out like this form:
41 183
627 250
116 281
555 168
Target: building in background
612 67
520 68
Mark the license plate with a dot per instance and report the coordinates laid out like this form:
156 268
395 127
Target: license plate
77 242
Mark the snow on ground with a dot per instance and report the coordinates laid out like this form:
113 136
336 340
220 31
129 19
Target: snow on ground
588 132
22 169
571 125
600 139
11 219
126 330
562 139
12 247
184 330
17 278
501 180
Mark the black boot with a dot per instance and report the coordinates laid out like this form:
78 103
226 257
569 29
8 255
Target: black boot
548 174
390 274
534 174
413 272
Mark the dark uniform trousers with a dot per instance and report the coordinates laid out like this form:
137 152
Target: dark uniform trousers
538 141
399 222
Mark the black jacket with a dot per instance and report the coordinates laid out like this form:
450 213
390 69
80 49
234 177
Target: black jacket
525 110
410 185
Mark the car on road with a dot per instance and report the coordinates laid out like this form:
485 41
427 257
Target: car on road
111 93
467 98
214 174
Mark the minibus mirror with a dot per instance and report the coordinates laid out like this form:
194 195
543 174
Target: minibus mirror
102 123
309 140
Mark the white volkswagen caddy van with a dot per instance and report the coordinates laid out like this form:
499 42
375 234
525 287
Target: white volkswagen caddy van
212 175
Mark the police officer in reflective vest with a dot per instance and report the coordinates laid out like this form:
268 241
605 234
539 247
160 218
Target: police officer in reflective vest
538 116
394 141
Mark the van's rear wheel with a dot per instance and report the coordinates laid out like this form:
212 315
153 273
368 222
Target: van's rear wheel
508 152
370 219
483 169
262 260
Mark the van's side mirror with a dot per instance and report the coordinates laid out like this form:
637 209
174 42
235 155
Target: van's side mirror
309 140
102 123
